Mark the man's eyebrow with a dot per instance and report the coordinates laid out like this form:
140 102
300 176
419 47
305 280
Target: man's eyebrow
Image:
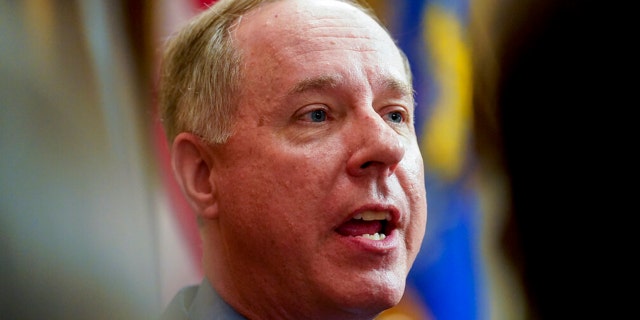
394 84
318 83
331 81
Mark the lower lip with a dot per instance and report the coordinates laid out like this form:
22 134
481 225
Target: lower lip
389 243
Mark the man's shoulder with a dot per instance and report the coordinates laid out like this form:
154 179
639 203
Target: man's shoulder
199 302
179 306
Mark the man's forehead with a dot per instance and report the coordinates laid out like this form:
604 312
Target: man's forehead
321 47
291 15
289 28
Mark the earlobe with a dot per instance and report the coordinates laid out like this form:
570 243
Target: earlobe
192 163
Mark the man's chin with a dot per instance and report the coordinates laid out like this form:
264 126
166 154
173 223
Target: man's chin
372 299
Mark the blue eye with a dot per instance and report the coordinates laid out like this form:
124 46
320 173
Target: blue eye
318 115
396 117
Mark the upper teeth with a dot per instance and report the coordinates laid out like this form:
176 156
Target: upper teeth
373 215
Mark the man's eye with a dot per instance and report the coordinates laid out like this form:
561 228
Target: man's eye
395 116
317 115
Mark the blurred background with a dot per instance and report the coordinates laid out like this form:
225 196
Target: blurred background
512 111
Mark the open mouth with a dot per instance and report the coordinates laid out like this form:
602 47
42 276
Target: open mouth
373 225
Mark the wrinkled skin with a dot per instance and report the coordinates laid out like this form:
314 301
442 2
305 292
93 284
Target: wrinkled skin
324 130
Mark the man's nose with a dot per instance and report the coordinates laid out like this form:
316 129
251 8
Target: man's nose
377 147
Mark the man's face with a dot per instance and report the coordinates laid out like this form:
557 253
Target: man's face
324 141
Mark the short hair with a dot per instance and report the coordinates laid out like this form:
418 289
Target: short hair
201 71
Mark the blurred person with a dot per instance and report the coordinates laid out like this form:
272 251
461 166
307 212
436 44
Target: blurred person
292 137
547 91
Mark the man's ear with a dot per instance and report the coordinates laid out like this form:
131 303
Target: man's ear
192 162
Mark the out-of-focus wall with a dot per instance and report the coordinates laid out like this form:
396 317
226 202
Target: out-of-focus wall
78 233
